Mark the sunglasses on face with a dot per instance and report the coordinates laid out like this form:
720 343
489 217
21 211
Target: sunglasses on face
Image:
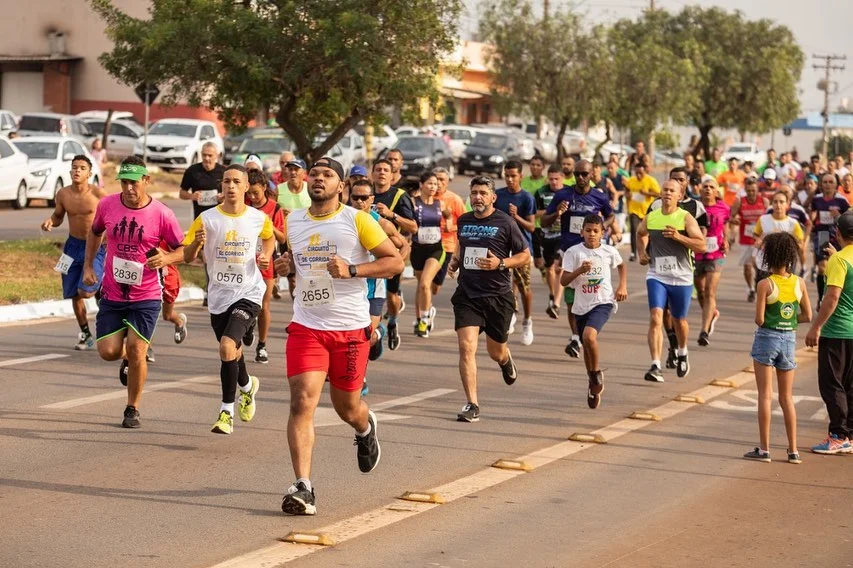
360 197
582 174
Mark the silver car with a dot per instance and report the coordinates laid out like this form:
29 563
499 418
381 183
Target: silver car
54 124
122 137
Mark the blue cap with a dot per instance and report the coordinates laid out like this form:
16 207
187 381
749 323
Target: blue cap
297 162
358 171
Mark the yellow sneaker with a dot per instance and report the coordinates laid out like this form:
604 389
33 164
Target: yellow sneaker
225 423
246 404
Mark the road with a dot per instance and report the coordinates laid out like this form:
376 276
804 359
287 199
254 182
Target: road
79 491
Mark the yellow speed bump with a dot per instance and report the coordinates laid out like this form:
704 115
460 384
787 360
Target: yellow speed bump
723 383
513 464
422 497
645 416
589 438
304 537
690 398
749 370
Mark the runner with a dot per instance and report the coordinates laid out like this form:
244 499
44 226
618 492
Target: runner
134 224
745 214
668 237
292 195
490 245
427 250
235 231
519 205
260 197
546 248
79 201
731 181
170 280
709 264
531 183
448 237
641 190
825 209
330 331
394 157
586 267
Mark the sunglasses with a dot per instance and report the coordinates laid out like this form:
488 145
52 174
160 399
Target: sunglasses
582 174
360 197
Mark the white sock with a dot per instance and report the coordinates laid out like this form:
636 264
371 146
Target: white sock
576 338
366 432
229 406
425 315
527 321
307 482
680 352
656 363
247 387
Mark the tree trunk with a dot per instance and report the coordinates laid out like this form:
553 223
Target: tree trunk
704 143
106 133
561 152
607 138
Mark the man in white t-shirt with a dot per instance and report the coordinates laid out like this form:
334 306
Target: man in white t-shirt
586 267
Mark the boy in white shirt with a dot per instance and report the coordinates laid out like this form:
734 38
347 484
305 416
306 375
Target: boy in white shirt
586 267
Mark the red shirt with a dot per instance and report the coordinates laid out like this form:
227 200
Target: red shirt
749 214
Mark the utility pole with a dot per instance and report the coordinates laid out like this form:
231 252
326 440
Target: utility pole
651 5
824 85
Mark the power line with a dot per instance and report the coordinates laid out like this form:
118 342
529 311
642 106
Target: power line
828 66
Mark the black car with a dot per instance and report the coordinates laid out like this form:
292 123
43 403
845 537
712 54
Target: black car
422 154
488 152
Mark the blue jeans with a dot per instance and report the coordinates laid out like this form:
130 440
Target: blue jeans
775 348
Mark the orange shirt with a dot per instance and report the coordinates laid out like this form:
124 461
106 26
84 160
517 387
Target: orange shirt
731 184
847 196
457 208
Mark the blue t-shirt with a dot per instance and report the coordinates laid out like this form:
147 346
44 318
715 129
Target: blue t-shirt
571 222
523 201
824 221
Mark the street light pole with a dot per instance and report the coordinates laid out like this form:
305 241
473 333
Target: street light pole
827 66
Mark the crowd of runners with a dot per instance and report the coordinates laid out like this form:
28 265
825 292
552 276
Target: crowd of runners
341 241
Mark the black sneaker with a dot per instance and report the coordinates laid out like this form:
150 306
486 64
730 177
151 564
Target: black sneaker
249 337
682 366
751 296
654 374
368 451
471 413
298 500
261 355
122 372
596 387
670 358
149 356
393 337
573 349
131 418
552 310
703 339
509 370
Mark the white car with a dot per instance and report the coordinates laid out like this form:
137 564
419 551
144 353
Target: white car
177 142
745 152
460 136
50 164
384 137
14 172
101 115
409 131
123 136
8 121
352 145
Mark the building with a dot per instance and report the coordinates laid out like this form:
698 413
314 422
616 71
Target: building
468 99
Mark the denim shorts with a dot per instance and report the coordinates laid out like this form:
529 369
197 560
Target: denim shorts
775 348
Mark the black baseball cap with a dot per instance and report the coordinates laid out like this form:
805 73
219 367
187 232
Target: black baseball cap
327 162
844 223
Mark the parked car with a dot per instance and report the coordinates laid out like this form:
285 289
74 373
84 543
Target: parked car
489 151
50 123
746 153
408 131
352 145
49 163
122 137
233 139
460 136
14 172
267 146
384 137
423 153
669 159
8 121
177 142
102 116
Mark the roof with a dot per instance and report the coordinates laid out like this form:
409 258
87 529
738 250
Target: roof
38 58
48 115
814 121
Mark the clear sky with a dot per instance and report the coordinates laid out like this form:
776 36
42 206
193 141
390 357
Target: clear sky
820 26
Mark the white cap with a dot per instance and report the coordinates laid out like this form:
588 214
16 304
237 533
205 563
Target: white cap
253 159
770 174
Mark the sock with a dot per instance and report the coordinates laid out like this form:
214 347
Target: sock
229 406
527 321
425 314
242 373
576 338
681 352
306 482
673 340
366 432
550 297
85 329
821 287
228 372
262 344
656 363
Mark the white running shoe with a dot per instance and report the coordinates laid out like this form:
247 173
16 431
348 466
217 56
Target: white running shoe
511 329
527 332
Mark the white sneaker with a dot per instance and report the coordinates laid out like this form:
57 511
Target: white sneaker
511 329
527 332
431 318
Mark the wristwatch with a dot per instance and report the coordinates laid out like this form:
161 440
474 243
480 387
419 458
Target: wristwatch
353 270
502 265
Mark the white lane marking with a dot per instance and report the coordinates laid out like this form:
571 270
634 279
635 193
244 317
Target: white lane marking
326 416
347 529
49 356
750 398
409 400
75 402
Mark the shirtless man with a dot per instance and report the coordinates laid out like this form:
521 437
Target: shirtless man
79 201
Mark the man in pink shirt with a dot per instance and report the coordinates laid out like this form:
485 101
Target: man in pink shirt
134 224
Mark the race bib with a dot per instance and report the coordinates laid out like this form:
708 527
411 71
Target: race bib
127 271
575 225
315 292
637 197
64 264
429 235
749 230
597 269
208 198
665 265
229 274
469 260
711 244
825 218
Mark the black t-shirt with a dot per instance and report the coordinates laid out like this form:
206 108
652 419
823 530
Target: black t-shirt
404 206
196 178
498 233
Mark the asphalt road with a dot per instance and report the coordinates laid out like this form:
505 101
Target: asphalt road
79 491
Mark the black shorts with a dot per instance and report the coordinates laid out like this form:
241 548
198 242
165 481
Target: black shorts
235 321
392 285
491 314
537 242
422 253
441 275
550 251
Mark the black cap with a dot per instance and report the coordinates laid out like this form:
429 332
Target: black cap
845 225
327 162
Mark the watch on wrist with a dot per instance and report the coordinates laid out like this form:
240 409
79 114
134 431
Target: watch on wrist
502 265
353 270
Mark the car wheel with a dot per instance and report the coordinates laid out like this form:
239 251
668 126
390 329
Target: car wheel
21 197
57 186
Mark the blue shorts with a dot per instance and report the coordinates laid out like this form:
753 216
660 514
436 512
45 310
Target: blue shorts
676 297
775 348
73 281
114 317
595 318
376 306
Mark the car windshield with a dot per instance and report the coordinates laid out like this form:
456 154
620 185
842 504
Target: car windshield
39 123
275 145
492 141
740 149
458 134
173 129
414 145
38 150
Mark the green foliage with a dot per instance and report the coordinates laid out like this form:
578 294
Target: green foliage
666 139
839 145
321 66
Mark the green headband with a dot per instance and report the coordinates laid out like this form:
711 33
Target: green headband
132 172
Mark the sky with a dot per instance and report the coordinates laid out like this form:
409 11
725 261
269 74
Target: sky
820 27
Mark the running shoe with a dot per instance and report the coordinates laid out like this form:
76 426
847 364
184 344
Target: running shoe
368 451
249 337
261 355
833 445
573 349
703 339
246 401
512 321
402 303
794 457
596 387
553 310
377 348
527 332
431 318
682 366
365 390
122 372
149 355
509 370
757 454
632 258
224 424
84 341
298 500
393 337
131 418
422 329
750 297
670 358
181 330
470 413
714 322
654 374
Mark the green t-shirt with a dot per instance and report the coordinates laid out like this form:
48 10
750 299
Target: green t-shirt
531 185
715 168
290 200
839 273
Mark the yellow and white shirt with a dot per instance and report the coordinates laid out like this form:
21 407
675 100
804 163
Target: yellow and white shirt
229 254
322 302
766 225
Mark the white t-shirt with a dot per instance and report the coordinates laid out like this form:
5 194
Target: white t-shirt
595 287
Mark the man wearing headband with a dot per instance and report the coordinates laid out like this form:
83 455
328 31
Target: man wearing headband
330 248
134 223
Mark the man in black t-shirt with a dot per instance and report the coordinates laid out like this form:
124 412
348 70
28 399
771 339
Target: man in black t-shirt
202 182
490 244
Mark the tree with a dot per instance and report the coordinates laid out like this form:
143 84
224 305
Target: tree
839 145
320 66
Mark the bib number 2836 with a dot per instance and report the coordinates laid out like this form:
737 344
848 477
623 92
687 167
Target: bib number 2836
127 272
